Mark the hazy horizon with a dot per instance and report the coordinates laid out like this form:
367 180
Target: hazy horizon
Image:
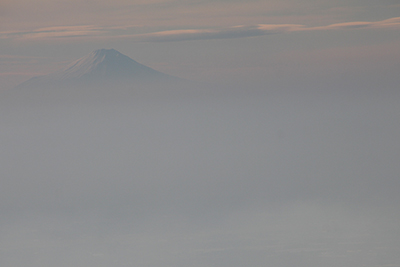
277 43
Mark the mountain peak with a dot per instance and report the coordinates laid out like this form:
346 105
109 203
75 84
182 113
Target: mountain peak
102 76
105 63
105 53
103 66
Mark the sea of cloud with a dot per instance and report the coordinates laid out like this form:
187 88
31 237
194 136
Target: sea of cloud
232 178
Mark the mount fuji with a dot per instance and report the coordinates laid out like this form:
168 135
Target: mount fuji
103 75
103 66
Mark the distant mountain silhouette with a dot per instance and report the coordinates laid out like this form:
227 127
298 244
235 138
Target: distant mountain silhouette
103 76
101 66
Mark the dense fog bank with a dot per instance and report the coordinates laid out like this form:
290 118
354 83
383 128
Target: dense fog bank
216 177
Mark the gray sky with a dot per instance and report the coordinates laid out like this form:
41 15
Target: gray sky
219 41
300 168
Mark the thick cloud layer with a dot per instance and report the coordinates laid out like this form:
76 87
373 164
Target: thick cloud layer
295 178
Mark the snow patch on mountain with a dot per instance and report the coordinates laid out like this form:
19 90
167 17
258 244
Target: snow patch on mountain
103 65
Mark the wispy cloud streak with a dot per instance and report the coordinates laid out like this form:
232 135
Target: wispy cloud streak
389 23
58 32
259 30
241 31
226 33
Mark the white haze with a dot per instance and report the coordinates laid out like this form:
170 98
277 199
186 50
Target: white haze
252 178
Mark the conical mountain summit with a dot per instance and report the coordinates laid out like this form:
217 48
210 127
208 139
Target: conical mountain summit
103 76
99 67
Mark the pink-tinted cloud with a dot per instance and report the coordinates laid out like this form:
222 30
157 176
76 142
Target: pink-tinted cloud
225 33
389 23
242 31
259 30
56 32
